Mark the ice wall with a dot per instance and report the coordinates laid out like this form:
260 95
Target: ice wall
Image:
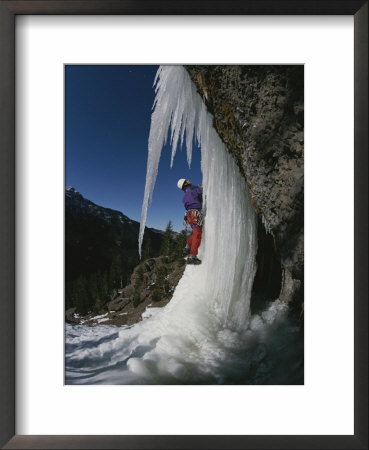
229 244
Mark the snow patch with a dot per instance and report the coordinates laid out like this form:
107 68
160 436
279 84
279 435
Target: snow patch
99 317
103 320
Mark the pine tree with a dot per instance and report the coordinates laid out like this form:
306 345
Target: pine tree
168 240
82 296
147 249
136 299
161 284
69 297
125 272
115 273
138 283
180 244
103 288
93 287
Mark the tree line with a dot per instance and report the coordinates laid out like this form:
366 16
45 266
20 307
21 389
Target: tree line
90 292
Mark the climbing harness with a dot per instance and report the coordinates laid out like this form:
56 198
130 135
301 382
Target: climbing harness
199 218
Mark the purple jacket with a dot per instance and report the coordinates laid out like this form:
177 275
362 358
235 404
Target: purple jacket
192 198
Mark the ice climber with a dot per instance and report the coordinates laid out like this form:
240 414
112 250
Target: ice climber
192 200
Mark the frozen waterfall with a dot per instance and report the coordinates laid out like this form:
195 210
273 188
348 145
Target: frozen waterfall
230 223
206 333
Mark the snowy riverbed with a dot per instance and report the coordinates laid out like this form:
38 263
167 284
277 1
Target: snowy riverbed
268 352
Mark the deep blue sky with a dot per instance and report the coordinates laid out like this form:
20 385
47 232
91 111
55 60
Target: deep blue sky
107 124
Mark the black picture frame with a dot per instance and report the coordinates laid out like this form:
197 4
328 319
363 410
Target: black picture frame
8 12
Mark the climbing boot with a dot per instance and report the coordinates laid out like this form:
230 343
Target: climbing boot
196 261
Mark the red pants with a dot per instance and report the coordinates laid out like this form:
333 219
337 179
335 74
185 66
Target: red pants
195 238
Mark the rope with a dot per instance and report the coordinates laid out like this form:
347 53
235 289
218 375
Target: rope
199 217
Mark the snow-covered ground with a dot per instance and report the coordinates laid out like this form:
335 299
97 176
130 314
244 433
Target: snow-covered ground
268 352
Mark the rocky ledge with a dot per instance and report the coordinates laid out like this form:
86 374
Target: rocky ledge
152 285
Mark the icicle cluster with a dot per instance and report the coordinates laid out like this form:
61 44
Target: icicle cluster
176 108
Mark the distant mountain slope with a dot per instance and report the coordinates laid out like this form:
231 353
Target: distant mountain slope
95 235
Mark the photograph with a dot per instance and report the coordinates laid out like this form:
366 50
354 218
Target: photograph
173 180
184 224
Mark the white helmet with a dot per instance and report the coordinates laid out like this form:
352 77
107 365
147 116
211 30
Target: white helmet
181 183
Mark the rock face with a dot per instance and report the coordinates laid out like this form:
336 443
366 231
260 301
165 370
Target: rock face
259 114
152 285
